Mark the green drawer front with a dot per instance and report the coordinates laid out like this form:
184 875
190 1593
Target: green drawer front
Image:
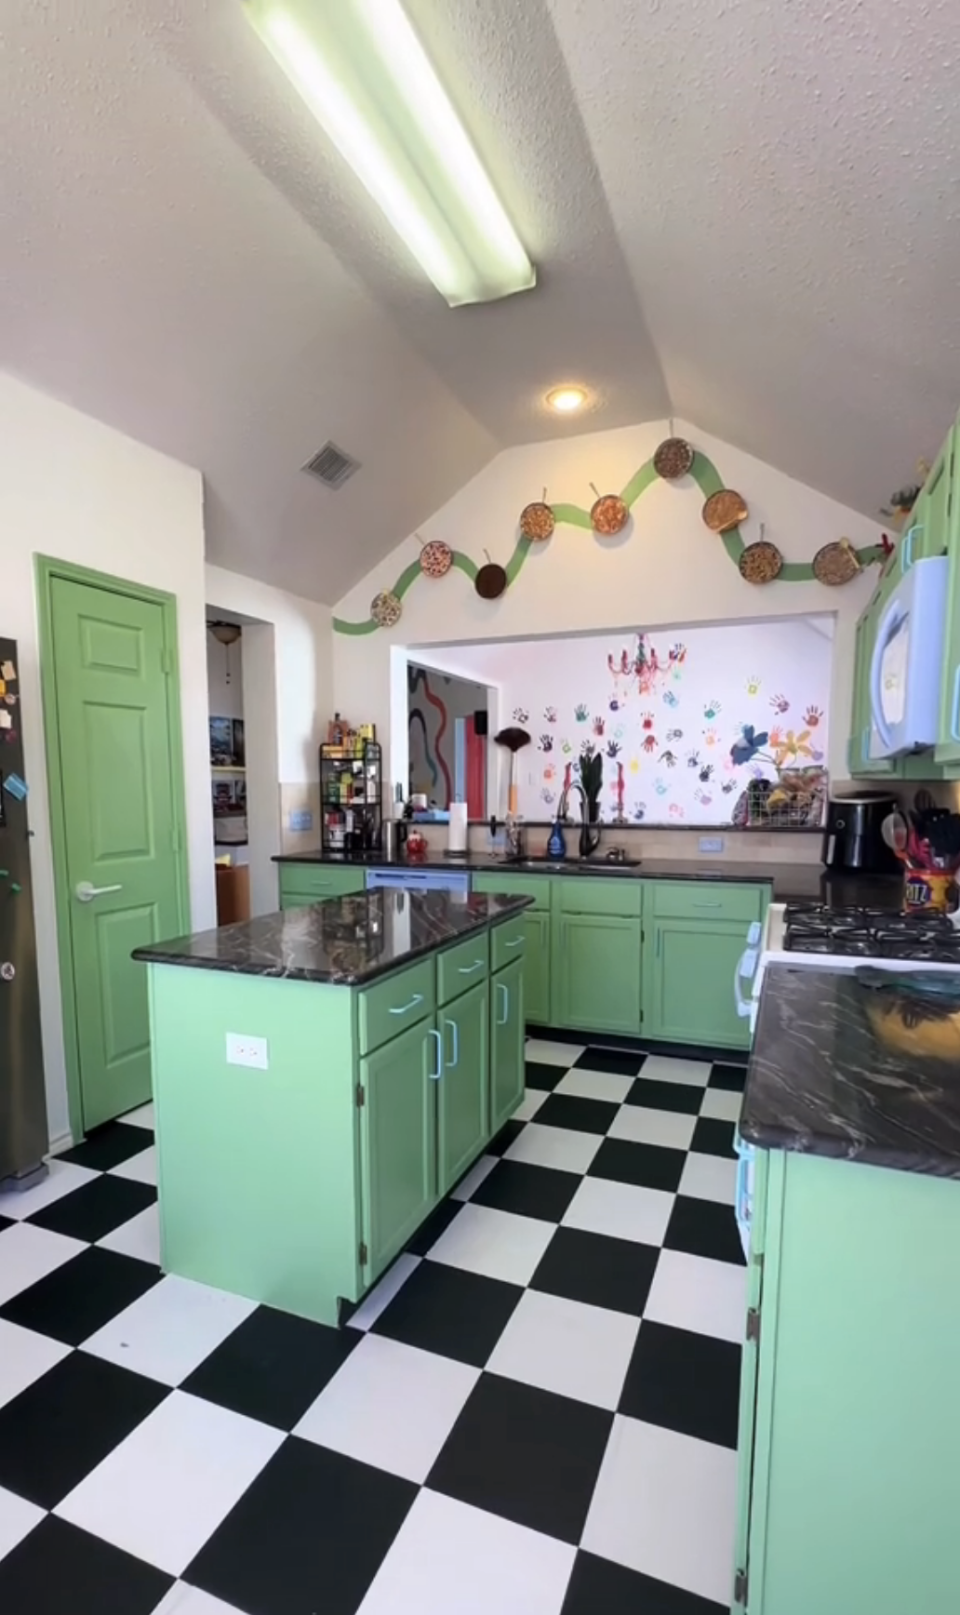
705 900
508 942
460 968
396 1003
535 886
320 880
607 894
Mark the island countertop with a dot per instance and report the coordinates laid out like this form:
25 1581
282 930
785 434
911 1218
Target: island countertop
840 1068
346 941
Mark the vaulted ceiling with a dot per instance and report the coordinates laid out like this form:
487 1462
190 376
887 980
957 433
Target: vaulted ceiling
744 212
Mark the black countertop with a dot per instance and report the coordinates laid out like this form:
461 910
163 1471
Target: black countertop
346 941
842 1069
791 883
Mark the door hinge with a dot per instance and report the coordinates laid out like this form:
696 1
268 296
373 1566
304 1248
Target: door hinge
363 1254
166 660
740 1588
753 1323
361 1096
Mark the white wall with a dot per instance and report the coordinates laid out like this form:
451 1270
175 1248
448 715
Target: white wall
666 570
81 492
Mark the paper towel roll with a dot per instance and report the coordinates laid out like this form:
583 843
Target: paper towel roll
457 828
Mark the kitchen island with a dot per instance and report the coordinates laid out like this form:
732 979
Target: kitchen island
849 1417
322 1077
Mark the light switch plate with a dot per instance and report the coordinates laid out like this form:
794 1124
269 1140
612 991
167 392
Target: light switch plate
300 819
711 843
243 1050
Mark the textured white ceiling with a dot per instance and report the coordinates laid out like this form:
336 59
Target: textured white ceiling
745 212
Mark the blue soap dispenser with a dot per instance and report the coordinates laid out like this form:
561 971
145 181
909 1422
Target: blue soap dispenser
556 845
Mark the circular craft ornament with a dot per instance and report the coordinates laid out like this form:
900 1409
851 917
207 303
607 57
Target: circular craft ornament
760 562
673 458
537 521
491 580
836 563
608 513
724 510
436 558
385 609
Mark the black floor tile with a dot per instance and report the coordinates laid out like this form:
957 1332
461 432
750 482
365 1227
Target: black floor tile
599 1587
617 1062
309 1534
583 1115
704 1228
646 1165
57 1430
272 1367
712 1137
505 1137
108 1146
531 1191
449 1311
730 1077
540 1074
525 1454
97 1208
433 1226
684 1381
654 1095
598 1270
59 1568
7 1222
75 1300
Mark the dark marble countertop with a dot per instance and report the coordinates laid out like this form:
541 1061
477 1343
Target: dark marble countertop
346 941
839 1068
791 883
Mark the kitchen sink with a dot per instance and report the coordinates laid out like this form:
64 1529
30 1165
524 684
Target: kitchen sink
582 866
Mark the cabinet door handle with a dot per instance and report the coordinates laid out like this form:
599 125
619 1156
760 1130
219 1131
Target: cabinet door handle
707 905
435 1076
955 709
906 546
503 988
401 1009
467 970
516 943
455 1056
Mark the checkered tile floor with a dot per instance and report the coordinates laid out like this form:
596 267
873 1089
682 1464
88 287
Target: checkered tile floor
534 1413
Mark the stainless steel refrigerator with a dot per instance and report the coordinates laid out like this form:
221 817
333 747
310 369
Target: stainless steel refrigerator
23 1108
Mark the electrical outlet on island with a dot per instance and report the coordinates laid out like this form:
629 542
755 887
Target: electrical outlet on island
243 1050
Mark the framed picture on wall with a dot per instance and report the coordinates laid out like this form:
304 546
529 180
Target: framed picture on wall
221 742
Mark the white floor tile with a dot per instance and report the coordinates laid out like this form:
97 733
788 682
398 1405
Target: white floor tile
709 1177
587 1084
62 1178
549 1052
167 1487
560 1147
481 1169
170 1329
28 1254
390 1405
695 1292
184 1600
451 1559
671 1129
565 1346
383 1293
620 1210
141 1168
530 1104
139 1237
495 1243
24 1356
17 1520
661 1068
665 1505
724 1106
143 1116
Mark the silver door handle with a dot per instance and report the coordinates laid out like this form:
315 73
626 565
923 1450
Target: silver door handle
86 891
455 1056
503 988
516 943
436 1075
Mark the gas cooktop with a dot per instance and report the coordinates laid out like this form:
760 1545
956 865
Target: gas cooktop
871 933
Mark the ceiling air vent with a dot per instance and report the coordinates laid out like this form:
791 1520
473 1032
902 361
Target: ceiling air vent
331 466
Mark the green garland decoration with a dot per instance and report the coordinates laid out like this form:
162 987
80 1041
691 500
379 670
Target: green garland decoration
708 480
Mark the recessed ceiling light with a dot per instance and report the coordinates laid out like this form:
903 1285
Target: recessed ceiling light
566 399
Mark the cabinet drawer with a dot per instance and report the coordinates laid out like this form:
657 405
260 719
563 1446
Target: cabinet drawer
606 894
706 900
508 942
396 1003
463 967
535 886
318 881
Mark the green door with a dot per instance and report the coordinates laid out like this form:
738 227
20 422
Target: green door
122 813
398 1141
855 756
536 967
462 1092
747 1419
597 973
507 1020
871 765
688 986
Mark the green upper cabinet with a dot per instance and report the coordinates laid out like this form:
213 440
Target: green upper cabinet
463 1090
929 530
947 751
507 1020
302 884
596 977
397 1141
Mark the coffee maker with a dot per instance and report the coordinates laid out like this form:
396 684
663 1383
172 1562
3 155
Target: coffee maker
853 836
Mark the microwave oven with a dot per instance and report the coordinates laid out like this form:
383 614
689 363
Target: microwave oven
907 662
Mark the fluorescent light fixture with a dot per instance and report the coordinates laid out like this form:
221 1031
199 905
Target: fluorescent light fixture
365 76
566 399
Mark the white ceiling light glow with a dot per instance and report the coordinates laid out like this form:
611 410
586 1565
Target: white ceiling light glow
566 399
365 76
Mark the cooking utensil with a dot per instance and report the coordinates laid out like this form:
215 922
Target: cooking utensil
894 832
491 580
514 740
836 563
537 521
608 514
724 510
760 562
673 458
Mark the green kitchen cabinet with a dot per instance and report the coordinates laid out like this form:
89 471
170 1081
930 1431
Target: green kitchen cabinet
306 883
507 1022
463 1088
689 966
861 761
398 1149
928 532
596 977
536 967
